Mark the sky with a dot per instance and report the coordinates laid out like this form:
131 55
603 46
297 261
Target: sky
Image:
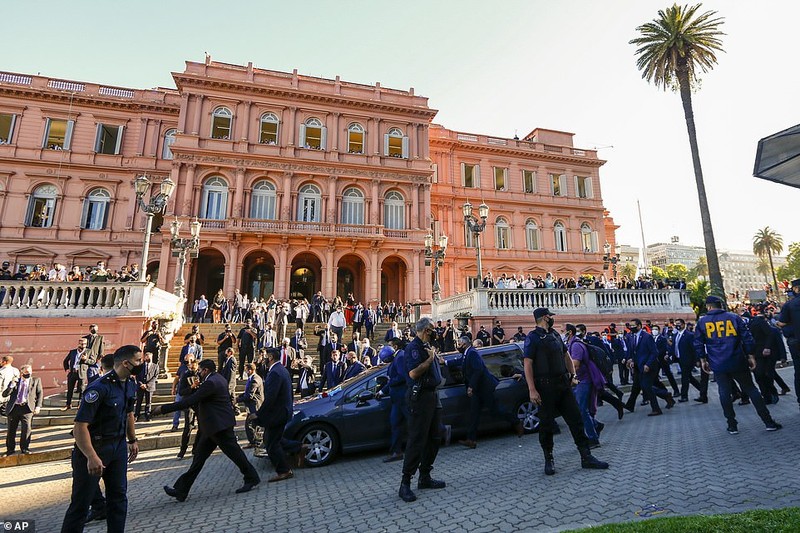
490 67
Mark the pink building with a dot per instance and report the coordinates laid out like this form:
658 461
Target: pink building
302 184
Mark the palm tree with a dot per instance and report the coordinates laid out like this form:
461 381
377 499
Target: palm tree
763 268
765 243
672 51
701 268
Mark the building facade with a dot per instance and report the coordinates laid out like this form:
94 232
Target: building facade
302 184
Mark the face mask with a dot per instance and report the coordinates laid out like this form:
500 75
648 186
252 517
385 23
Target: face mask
656 333
26 376
550 321
433 336
137 369
634 329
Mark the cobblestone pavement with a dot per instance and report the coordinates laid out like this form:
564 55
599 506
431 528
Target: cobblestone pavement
681 463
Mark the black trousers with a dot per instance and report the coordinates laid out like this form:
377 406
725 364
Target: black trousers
624 373
74 383
18 416
667 371
559 399
146 396
649 386
204 447
188 419
765 377
688 379
485 398
424 435
114 455
277 455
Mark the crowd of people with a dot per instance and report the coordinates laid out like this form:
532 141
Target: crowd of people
586 281
59 272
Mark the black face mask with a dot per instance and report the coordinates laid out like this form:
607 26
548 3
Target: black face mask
26 376
550 321
634 329
434 336
137 369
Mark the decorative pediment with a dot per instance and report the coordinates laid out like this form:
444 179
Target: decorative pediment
88 254
32 254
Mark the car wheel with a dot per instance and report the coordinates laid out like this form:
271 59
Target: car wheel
528 414
322 442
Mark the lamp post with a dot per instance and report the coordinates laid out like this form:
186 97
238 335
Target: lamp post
157 204
476 228
180 247
609 259
437 257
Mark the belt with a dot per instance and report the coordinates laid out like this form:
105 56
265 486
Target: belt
552 380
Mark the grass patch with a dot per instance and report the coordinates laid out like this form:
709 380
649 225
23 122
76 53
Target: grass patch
767 521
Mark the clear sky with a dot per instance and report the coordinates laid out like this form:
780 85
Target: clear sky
494 67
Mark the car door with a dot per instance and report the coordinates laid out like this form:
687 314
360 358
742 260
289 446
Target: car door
504 363
453 394
365 424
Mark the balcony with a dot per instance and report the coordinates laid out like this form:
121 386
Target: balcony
522 302
294 227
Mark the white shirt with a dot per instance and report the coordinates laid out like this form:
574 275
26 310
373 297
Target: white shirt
7 374
337 320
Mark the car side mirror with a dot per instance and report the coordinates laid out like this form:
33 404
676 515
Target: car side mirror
364 397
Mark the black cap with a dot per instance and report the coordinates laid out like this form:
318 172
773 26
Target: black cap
796 282
6 263
716 300
539 312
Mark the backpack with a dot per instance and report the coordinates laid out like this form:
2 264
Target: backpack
600 358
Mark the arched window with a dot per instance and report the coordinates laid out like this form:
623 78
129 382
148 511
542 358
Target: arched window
395 144
532 235
355 138
313 134
560 234
221 121
352 206
268 132
215 199
42 207
502 234
309 204
262 200
95 209
394 211
169 140
588 238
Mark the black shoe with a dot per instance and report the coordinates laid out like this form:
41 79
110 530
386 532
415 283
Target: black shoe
670 401
393 457
594 443
733 429
655 413
683 400
174 493
744 401
96 514
620 394
773 426
180 455
591 462
599 428
429 483
549 464
620 411
247 487
406 494
629 407
644 402
701 400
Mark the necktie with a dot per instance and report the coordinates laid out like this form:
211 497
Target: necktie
677 343
144 371
635 341
23 391
283 356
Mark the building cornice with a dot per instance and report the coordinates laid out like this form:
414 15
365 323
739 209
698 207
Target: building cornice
89 100
451 145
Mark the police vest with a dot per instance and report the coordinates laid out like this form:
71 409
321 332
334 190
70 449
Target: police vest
547 354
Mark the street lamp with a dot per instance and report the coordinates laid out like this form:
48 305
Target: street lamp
157 204
476 228
610 259
438 259
180 246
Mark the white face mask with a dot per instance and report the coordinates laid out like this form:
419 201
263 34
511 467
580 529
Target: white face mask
656 333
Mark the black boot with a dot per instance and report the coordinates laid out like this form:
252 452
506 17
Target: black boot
405 492
590 461
549 463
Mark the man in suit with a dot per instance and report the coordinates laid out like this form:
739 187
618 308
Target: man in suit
664 358
287 353
644 357
76 365
7 374
299 343
333 372
25 397
274 413
94 347
193 348
393 332
146 383
252 398
682 349
370 318
358 318
354 366
216 421
229 371
247 339
369 351
355 345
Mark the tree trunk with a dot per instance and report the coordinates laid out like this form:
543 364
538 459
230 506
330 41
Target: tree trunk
774 277
714 273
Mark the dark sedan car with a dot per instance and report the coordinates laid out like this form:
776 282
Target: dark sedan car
353 416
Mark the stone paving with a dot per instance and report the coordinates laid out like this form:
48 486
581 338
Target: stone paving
681 463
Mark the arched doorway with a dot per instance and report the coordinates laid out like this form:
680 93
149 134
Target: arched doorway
258 275
351 277
393 280
152 270
208 274
305 277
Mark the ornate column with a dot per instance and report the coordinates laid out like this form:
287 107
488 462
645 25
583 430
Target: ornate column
331 213
286 202
292 126
142 134
238 193
426 205
282 271
244 122
373 294
198 113
336 133
188 189
163 265
412 141
330 271
415 205
416 293
232 266
156 136
182 115
374 217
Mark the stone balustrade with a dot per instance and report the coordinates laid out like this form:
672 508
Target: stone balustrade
522 302
47 299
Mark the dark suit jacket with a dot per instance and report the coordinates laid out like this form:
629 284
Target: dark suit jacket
35 394
685 348
229 371
198 354
253 397
83 367
332 374
277 407
149 378
476 375
213 405
646 352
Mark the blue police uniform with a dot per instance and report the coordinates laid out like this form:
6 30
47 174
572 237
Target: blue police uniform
790 315
105 406
483 384
722 338
397 394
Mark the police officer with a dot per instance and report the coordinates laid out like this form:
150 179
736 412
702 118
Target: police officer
789 322
424 420
725 346
397 393
104 420
550 375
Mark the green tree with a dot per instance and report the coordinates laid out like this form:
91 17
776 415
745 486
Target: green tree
658 273
698 292
701 268
672 51
628 270
763 267
677 271
765 243
791 270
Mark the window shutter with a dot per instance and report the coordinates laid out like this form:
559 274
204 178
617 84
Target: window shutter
323 138
11 129
405 147
463 175
386 144
594 242
562 180
31 202
68 135
85 213
44 140
106 209
118 147
97 135
476 179
577 189
302 142
589 192
538 238
435 169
